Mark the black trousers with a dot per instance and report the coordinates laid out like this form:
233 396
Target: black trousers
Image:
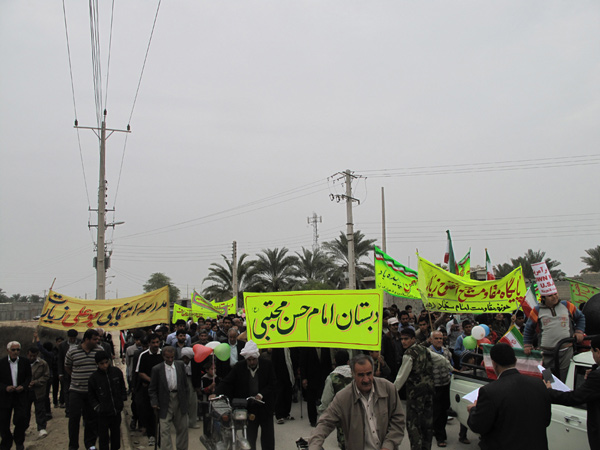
80 406
40 412
312 395
283 399
441 404
145 412
17 407
109 432
264 420
57 395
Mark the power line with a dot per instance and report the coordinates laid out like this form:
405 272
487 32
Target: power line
96 61
145 59
311 187
112 14
495 166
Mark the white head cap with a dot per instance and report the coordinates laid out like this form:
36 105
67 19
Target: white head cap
250 350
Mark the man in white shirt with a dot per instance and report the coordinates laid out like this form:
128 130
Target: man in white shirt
169 397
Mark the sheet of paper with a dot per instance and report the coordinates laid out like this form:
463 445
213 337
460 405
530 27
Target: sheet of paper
557 385
472 396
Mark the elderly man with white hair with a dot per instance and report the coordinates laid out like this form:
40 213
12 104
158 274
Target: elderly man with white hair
254 377
15 376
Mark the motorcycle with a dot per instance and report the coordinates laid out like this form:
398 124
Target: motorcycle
229 423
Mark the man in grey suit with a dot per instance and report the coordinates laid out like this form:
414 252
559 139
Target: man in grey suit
169 397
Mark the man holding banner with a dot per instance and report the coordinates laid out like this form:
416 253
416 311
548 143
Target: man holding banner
555 320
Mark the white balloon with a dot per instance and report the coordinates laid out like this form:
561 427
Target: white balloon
213 344
478 332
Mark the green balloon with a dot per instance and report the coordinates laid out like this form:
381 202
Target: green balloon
223 351
469 342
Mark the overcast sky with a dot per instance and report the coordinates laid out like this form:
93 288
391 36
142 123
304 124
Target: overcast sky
478 117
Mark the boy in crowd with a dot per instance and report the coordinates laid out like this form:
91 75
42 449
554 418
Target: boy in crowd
107 392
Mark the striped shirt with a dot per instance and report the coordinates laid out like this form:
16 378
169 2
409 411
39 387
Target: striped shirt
82 365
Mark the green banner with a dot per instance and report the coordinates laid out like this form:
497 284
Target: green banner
337 319
395 278
581 292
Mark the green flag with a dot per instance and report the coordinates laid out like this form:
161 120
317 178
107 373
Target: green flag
581 292
393 277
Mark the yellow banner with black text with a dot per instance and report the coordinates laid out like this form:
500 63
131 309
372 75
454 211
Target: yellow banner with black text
62 312
443 291
338 319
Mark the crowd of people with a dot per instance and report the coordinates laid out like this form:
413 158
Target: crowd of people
354 392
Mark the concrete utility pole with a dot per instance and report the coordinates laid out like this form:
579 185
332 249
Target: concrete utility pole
102 260
234 268
314 222
383 236
348 176
350 232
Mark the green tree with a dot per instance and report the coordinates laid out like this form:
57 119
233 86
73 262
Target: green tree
221 277
338 250
274 271
158 280
18 298
34 298
314 269
3 297
526 261
592 260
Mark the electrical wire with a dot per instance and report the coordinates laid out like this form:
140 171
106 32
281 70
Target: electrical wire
75 105
313 187
145 59
112 15
134 102
495 166
96 61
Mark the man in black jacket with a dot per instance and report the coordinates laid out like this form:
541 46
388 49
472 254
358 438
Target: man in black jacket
107 392
504 405
589 393
254 378
15 376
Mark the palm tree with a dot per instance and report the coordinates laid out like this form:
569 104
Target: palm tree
592 260
274 271
314 270
338 250
501 270
222 278
526 261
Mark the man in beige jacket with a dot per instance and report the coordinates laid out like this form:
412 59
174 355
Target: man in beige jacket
368 410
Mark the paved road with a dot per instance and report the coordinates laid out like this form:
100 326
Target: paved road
287 434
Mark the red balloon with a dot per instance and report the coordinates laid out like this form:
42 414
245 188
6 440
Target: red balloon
484 341
201 352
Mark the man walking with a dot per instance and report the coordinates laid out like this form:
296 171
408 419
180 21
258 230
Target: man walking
509 402
146 362
368 410
80 364
417 372
441 382
254 378
169 397
40 375
15 376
